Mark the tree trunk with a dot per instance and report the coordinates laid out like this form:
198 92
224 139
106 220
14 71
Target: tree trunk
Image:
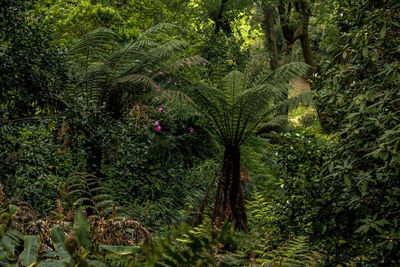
305 40
200 211
229 202
221 22
270 36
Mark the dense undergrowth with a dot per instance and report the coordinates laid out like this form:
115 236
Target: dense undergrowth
114 140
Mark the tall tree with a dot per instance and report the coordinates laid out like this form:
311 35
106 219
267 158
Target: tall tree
294 18
235 108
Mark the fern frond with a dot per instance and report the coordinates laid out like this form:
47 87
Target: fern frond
88 191
94 46
156 29
165 50
173 98
238 105
187 62
137 79
294 252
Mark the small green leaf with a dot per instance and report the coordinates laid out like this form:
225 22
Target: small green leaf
330 167
347 181
382 33
365 52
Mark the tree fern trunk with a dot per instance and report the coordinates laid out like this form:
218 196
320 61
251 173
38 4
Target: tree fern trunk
229 201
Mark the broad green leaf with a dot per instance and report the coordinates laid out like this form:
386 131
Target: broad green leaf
28 256
121 250
58 240
82 229
53 263
96 263
7 243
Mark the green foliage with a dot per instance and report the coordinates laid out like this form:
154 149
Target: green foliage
260 212
32 70
359 95
34 163
81 228
191 247
87 191
294 252
108 75
128 19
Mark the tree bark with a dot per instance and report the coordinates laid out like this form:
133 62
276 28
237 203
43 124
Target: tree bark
270 36
305 39
229 202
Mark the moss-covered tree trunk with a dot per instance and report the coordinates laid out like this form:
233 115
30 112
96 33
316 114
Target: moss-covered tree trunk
229 202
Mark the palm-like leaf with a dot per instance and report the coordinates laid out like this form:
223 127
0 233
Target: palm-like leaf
102 67
239 105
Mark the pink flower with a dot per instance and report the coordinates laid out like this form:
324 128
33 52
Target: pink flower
126 172
169 81
156 123
158 89
191 130
160 73
158 128
175 84
142 50
160 110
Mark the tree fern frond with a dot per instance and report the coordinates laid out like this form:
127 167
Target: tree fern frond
145 43
137 79
90 193
156 29
165 50
173 98
294 252
238 106
94 45
187 62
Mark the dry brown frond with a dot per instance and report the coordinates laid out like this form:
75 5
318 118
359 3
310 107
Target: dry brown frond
113 232
24 215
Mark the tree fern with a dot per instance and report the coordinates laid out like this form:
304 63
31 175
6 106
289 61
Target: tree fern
240 105
235 107
103 70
